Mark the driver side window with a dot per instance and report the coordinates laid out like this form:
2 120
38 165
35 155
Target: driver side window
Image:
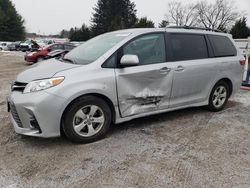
150 49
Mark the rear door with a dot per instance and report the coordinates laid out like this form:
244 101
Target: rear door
146 87
194 71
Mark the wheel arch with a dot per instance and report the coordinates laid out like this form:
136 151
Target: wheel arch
229 83
101 96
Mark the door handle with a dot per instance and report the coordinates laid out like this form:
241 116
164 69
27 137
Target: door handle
165 70
180 68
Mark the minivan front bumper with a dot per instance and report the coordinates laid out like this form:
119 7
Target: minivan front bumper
36 114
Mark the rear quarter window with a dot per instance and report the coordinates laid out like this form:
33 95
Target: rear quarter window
188 46
222 46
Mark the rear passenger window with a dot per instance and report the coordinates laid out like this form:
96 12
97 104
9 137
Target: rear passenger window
188 46
222 46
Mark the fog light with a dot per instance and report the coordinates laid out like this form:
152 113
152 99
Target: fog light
34 124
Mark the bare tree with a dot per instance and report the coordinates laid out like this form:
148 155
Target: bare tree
182 15
220 15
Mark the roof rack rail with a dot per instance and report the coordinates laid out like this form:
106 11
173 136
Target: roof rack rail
196 28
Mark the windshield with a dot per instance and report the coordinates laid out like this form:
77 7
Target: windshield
95 48
27 42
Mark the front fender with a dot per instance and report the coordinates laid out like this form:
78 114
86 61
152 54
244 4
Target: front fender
93 82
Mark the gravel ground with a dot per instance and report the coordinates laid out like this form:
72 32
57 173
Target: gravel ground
186 148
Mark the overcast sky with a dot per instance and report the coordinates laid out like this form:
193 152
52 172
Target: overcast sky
51 16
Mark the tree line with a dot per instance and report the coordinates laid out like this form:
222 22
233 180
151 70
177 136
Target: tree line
110 15
11 23
221 15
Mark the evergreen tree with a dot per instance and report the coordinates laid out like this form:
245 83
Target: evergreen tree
223 29
163 24
110 15
11 23
64 34
82 34
144 23
240 29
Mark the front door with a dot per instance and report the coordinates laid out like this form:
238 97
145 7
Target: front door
146 87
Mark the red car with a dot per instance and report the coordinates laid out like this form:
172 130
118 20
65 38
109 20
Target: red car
42 53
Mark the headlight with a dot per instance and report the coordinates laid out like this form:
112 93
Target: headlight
39 85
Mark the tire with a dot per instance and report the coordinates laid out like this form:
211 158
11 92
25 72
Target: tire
39 59
218 97
79 120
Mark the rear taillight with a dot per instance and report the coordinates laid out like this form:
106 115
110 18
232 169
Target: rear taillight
242 62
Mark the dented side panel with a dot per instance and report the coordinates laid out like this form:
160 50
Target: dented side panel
143 89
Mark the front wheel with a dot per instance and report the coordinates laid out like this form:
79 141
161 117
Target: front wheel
219 97
87 119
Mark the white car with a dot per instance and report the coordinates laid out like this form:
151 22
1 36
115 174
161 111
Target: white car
4 46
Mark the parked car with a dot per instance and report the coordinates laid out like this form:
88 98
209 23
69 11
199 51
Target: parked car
123 75
42 53
56 54
60 52
4 46
29 45
25 46
14 46
45 42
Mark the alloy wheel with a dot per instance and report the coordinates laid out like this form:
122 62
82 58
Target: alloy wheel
219 96
88 121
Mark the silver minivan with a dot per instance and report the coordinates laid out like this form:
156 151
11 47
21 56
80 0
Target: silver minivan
123 75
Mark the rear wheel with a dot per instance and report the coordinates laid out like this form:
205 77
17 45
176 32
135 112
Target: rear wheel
87 119
219 96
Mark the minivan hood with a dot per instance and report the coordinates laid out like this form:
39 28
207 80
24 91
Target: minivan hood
45 69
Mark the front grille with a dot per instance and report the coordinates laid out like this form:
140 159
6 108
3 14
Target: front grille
18 86
15 115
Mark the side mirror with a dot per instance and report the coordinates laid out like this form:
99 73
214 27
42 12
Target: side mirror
129 60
